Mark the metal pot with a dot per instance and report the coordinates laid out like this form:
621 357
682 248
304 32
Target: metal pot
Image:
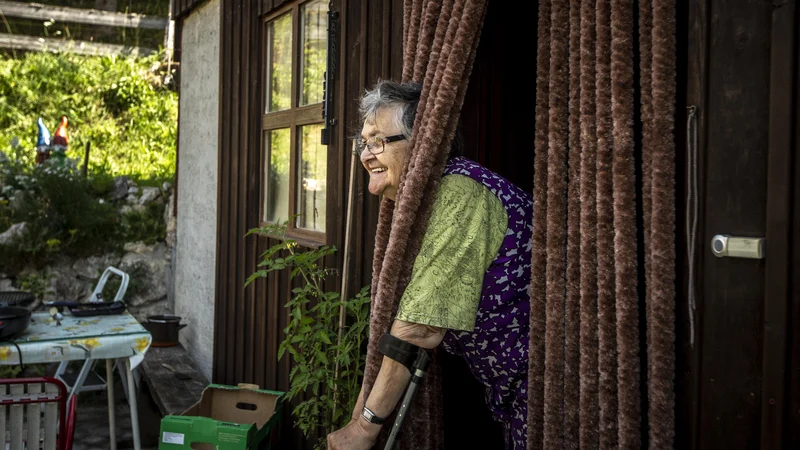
13 320
164 329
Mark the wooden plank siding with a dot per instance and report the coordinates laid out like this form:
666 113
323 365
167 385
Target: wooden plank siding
738 386
782 94
793 408
249 322
687 379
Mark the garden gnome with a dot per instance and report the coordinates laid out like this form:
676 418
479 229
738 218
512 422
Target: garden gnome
42 143
60 143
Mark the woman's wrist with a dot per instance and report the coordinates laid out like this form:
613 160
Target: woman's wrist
371 430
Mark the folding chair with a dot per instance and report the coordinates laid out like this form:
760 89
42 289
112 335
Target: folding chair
35 414
87 379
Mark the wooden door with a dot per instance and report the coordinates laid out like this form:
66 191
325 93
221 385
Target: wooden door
733 391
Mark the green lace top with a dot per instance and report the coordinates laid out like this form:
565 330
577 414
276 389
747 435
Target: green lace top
467 226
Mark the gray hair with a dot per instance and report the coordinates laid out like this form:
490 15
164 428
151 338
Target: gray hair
399 98
402 100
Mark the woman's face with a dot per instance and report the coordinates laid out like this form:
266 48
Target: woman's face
384 168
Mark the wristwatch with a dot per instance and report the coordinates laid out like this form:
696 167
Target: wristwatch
370 416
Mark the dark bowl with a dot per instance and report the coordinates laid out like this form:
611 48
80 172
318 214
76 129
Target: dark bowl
13 320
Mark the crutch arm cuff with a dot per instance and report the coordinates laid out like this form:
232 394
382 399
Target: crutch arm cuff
401 351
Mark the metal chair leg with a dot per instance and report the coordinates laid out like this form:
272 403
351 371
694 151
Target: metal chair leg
123 375
112 425
88 365
137 445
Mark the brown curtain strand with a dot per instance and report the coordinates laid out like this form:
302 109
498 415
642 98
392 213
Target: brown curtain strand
589 406
646 89
606 308
558 145
661 345
440 41
585 381
536 350
572 322
625 241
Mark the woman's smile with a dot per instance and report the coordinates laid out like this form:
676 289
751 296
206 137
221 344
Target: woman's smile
385 168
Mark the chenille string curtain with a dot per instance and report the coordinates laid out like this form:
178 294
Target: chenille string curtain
585 352
585 383
440 41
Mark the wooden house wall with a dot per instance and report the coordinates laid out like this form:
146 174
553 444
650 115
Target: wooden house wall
249 321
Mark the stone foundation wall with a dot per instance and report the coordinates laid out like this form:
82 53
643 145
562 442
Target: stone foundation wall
149 266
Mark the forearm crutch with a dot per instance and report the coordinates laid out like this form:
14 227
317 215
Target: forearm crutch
404 353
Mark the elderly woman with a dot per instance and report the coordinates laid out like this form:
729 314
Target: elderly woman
469 285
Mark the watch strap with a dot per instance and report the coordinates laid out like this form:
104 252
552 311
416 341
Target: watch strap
370 416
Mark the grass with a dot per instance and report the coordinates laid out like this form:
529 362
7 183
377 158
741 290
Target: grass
119 105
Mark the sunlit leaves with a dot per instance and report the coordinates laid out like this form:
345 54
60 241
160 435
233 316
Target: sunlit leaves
312 333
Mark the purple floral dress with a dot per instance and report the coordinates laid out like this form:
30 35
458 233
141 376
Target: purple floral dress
496 350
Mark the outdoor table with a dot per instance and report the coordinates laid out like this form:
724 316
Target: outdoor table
110 337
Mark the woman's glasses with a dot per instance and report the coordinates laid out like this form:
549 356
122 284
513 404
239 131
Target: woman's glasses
377 145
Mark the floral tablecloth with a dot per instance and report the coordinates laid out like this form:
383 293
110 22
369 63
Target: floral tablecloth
78 338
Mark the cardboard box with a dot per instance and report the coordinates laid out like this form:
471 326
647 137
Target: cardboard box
226 418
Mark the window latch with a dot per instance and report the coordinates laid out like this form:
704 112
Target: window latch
327 83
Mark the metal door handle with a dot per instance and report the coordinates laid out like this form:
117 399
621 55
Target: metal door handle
723 245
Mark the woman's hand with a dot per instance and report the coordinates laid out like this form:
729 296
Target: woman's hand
392 379
354 436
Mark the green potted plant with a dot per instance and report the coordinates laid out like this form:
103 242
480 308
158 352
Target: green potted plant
326 362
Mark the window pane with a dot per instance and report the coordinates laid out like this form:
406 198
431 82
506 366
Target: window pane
276 198
279 63
312 182
313 31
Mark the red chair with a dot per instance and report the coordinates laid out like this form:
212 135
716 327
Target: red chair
36 413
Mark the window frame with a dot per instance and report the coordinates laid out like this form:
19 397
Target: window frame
292 118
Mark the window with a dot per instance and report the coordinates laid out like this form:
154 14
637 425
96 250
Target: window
295 161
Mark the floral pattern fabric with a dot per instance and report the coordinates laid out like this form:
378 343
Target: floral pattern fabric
466 228
496 350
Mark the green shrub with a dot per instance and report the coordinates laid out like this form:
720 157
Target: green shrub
35 283
146 226
59 205
32 370
5 215
66 214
